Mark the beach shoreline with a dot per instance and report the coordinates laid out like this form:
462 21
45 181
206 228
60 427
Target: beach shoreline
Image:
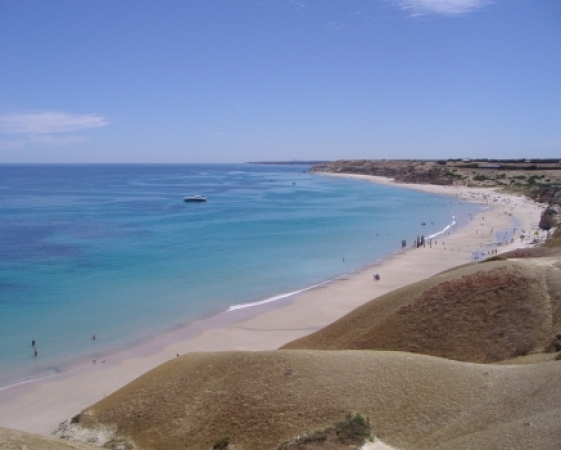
41 405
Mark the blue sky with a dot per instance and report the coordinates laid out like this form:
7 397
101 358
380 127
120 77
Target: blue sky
239 80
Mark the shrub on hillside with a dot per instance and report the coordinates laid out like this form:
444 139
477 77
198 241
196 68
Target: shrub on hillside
221 444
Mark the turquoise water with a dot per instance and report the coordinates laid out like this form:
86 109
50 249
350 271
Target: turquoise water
112 250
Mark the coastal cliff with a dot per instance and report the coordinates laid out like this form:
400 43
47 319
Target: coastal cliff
535 178
551 217
402 171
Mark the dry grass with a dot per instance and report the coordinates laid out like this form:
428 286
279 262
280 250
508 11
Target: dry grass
555 241
479 313
262 399
535 252
18 440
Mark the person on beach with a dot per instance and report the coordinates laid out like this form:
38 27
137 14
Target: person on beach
33 343
35 352
93 338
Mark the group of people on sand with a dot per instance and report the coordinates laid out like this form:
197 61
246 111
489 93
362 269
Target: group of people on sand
36 353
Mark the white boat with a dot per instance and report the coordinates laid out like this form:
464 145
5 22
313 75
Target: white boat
195 198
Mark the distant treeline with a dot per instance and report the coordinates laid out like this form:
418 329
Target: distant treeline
508 161
507 167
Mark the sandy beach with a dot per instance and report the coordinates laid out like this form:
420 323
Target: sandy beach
41 405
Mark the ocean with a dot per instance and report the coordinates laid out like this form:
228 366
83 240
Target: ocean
112 250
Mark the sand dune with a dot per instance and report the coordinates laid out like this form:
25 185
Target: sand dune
480 313
19 440
260 399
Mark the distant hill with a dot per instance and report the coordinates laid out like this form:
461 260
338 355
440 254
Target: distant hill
532 177
480 313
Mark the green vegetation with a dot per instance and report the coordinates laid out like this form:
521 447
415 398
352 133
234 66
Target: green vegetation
221 443
480 177
494 258
558 357
354 430
453 175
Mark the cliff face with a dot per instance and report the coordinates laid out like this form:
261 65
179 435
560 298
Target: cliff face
542 182
550 195
403 171
551 217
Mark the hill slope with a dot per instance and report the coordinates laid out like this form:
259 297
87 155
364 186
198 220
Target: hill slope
18 440
480 313
260 399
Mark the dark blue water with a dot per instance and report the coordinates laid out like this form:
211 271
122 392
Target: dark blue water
112 250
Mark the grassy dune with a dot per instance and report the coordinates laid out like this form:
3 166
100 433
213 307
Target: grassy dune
260 399
480 313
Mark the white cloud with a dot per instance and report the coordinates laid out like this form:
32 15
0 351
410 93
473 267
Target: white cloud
444 7
46 129
300 4
48 140
48 122
336 26
11 145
